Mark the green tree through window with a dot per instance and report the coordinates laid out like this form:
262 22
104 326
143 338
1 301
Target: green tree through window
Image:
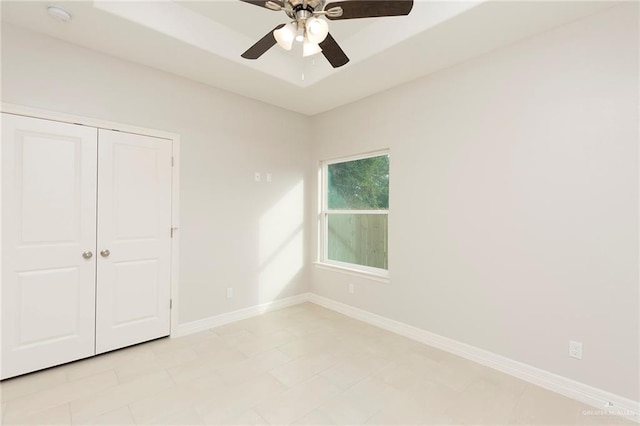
356 212
360 184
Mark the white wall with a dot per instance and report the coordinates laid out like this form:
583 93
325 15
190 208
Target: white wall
233 231
514 189
514 200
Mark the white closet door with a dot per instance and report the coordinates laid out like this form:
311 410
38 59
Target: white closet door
134 246
48 222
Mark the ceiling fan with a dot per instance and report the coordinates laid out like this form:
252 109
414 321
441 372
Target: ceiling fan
308 27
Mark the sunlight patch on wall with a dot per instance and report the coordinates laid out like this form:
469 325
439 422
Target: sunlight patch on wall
281 249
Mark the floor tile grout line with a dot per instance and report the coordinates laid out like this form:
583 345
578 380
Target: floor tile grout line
131 414
29 375
152 393
69 401
339 358
260 415
372 416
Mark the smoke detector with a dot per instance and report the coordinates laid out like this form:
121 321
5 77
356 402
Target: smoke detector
58 13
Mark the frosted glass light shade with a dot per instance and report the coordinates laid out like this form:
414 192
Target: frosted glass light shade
317 29
285 35
310 48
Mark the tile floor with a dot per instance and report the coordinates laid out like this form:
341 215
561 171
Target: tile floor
303 365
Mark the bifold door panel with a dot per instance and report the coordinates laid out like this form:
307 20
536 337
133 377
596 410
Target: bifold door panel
79 279
48 222
134 240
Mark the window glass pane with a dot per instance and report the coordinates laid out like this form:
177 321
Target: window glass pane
358 238
359 184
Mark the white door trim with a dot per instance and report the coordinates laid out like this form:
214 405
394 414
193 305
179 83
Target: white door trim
175 177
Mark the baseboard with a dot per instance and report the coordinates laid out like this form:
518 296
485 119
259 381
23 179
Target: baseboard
229 317
597 398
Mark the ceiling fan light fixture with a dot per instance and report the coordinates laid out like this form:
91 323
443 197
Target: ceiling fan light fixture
317 29
285 36
310 48
310 26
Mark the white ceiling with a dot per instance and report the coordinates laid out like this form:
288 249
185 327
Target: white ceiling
203 40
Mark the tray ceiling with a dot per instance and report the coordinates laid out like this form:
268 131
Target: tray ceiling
203 40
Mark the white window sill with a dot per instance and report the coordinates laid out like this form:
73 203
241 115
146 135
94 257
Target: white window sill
353 271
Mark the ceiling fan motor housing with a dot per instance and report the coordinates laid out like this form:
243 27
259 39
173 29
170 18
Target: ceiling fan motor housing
301 11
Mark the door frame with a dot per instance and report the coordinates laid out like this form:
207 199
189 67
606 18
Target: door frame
175 180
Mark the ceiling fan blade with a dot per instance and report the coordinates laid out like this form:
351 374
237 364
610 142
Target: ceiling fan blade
352 9
262 3
262 45
332 51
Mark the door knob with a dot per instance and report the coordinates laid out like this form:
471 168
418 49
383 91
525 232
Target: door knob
105 253
87 255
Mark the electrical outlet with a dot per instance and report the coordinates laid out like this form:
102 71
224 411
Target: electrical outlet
352 288
256 176
229 292
575 349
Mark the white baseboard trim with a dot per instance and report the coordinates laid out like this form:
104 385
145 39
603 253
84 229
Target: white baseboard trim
597 398
240 314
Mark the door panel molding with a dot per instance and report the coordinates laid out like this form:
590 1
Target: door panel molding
134 222
53 261
48 309
62 117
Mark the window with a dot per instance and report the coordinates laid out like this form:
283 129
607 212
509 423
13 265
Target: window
355 211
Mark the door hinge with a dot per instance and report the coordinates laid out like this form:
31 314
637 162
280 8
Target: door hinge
171 161
173 231
170 303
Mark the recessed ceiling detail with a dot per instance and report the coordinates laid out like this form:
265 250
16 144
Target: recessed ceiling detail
203 41
205 27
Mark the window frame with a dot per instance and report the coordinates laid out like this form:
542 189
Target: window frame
323 252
